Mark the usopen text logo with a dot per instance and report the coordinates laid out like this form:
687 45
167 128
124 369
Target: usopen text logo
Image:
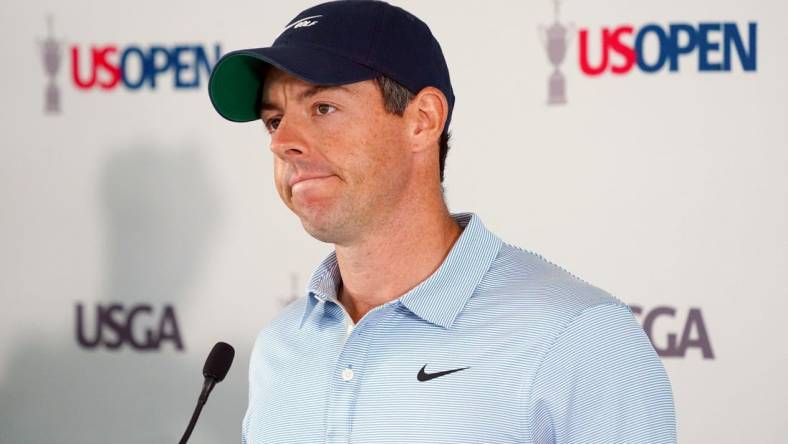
705 46
109 66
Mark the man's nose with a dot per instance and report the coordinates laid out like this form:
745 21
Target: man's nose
288 141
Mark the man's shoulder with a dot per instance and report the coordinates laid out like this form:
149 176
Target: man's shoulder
531 285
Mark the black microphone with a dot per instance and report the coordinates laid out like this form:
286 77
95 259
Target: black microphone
215 369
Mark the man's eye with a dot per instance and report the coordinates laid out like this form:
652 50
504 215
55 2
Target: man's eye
272 124
324 108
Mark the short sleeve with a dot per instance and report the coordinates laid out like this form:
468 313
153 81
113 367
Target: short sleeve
602 382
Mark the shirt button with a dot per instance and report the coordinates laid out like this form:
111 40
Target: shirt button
349 329
347 374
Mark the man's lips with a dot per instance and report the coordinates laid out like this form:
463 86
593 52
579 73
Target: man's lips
298 178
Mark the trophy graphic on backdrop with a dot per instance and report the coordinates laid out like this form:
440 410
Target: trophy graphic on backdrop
51 52
295 291
556 39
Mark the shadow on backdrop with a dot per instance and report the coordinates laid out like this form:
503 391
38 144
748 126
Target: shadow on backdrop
161 211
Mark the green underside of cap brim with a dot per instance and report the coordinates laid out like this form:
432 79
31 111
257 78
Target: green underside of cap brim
235 87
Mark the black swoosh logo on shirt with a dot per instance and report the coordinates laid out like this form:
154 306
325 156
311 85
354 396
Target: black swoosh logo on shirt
424 376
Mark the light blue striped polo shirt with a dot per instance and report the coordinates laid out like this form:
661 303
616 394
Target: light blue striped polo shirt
497 346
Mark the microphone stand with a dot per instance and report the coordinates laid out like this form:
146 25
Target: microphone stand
207 386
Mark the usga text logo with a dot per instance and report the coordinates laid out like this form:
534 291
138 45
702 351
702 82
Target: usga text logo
673 333
138 326
109 66
716 46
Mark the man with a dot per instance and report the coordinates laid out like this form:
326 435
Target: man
422 326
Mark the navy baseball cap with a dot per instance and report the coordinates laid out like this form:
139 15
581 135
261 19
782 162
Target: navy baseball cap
335 43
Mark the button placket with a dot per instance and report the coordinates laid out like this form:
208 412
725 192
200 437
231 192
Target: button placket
348 370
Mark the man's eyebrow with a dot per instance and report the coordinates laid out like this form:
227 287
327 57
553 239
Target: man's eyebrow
269 106
307 93
311 91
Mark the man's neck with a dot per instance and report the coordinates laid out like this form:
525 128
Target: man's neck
399 255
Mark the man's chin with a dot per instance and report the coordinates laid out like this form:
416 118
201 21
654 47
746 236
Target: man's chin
327 220
320 230
320 224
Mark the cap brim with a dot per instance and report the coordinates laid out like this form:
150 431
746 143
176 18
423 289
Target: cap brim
236 82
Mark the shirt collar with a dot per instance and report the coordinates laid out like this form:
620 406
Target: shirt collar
441 297
323 285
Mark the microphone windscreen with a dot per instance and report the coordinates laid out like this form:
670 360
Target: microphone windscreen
219 360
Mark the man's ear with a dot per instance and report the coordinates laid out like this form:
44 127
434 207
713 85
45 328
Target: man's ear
427 114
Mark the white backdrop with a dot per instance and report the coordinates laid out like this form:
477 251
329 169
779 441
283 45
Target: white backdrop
667 189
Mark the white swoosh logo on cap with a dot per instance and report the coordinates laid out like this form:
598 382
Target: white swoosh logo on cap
301 21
